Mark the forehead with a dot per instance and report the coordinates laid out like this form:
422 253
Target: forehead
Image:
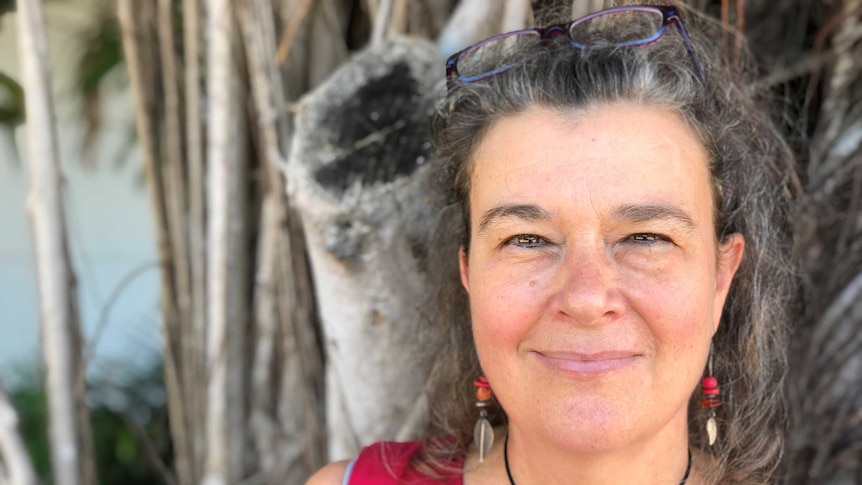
616 154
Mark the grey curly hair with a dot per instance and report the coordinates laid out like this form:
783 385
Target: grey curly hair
752 171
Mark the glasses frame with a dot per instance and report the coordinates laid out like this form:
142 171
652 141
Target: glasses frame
669 15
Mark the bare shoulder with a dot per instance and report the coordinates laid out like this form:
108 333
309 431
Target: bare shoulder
331 474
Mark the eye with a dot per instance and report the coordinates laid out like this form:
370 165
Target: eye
647 238
527 241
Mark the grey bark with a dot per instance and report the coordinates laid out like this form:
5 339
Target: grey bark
826 381
13 453
517 15
69 427
258 36
227 262
586 7
284 321
194 348
359 175
137 44
381 21
472 21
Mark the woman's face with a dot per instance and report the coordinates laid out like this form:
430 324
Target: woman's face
595 278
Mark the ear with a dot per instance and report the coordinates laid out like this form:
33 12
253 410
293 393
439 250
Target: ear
462 264
730 253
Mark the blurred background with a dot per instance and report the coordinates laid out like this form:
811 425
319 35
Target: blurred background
110 226
110 236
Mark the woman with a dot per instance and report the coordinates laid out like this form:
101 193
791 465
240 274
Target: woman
625 256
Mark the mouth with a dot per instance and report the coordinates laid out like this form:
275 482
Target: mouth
588 364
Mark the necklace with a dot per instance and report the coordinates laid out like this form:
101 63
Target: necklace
512 480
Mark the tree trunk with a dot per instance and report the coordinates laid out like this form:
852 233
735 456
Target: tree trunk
826 382
472 21
13 453
517 15
138 43
71 445
358 174
284 319
194 350
581 8
227 247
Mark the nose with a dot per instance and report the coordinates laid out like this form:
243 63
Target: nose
589 288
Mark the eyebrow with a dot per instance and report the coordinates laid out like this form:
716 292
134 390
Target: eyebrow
524 212
651 212
632 213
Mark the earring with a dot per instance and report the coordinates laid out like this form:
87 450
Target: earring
710 401
483 433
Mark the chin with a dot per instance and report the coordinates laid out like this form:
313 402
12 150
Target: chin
593 426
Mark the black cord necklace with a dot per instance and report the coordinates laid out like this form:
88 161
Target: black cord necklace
512 480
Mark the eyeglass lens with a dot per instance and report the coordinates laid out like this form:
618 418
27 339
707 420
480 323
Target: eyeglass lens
614 28
498 54
617 28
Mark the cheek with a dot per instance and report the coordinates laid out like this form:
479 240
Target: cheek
502 311
677 306
682 291
678 318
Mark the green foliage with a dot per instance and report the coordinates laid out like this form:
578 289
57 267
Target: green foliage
11 101
118 454
101 53
32 407
7 6
121 416
101 47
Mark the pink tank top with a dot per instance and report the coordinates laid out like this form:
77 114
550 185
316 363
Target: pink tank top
388 463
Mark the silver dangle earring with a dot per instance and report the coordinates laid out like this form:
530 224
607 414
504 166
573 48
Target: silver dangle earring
483 432
710 401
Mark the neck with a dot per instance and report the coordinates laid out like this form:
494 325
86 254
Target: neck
654 462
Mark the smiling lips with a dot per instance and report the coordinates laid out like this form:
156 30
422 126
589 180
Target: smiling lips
588 364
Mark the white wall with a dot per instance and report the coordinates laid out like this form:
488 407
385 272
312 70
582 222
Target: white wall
107 213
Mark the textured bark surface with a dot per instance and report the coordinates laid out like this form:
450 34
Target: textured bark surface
359 176
825 384
138 47
227 263
287 366
68 419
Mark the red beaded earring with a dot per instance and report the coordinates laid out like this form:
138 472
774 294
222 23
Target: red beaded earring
710 401
483 432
